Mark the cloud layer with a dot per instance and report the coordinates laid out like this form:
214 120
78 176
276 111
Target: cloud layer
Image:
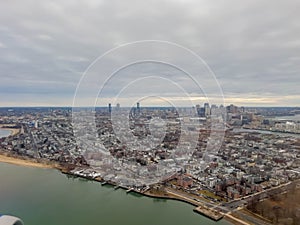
253 46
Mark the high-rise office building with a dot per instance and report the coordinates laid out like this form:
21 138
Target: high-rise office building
109 107
206 109
138 110
232 109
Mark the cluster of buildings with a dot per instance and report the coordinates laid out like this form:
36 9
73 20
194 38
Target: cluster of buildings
281 125
44 133
161 145
251 162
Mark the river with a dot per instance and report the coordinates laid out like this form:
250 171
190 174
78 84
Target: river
282 134
48 197
292 118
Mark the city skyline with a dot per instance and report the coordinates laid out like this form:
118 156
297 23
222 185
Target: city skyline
140 112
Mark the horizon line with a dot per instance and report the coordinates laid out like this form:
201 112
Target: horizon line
147 106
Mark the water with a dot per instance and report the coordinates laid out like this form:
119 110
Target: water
45 196
292 118
281 134
4 133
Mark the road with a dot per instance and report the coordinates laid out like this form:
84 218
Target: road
252 219
234 204
199 202
223 210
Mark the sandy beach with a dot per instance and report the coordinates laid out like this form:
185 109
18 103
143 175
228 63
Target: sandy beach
25 162
13 131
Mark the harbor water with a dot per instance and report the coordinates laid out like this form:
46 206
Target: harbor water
4 133
48 197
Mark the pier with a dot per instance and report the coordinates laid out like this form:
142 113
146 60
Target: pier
129 190
210 213
203 210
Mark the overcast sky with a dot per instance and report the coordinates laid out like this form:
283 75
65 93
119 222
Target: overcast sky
252 47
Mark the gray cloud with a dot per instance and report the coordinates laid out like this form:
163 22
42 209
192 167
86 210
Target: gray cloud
252 46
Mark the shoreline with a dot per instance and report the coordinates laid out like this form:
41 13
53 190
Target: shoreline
18 161
271 131
13 131
21 161
26 162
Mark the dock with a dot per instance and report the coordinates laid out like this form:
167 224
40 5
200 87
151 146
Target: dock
129 190
210 213
203 210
